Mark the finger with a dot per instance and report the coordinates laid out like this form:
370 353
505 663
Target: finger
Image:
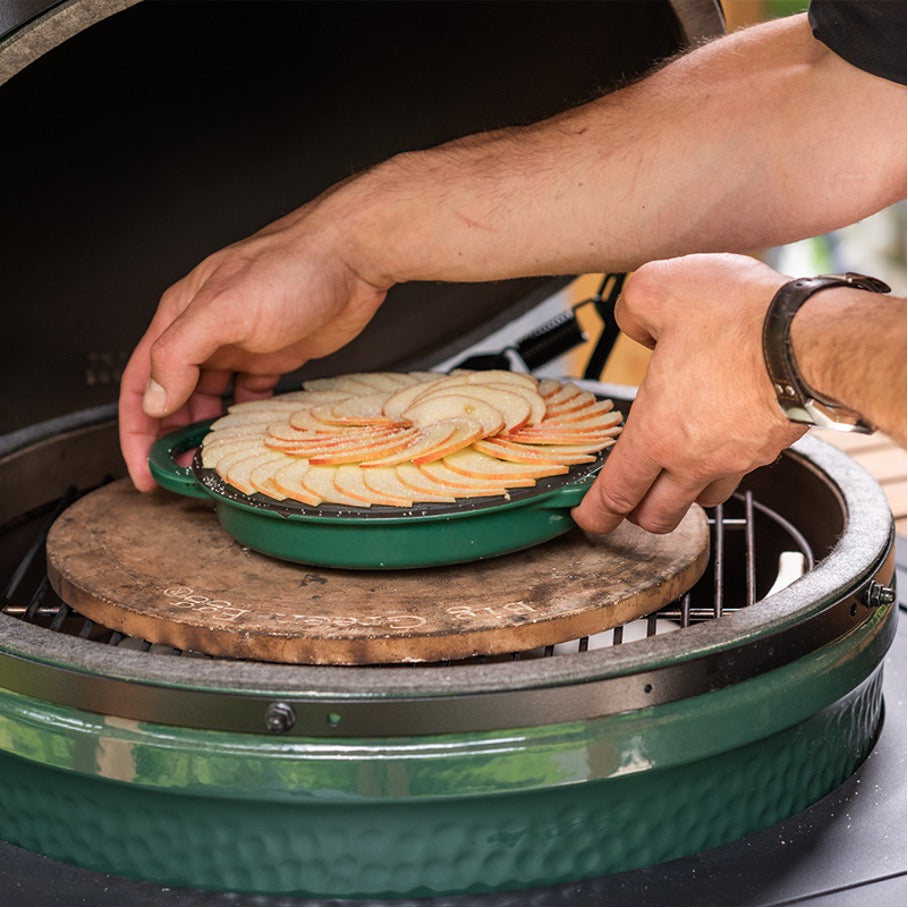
250 386
719 491
626 477
137 429
666 502
136 439
207 400
633 294
177 356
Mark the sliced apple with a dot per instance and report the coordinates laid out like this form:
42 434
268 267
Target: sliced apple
602 424
349 481
425 375
312 397
236 468
470 378
300 440
348 382
558 396
585 413
397 438
473 463
377 444
384 381
487 376
285 431
398 401
261 477
385 481
533 398
514 452
304 419
598 421
440 472
466 431
239 472
567 437
288 481
319 480
544 431
412 476
213 451
366 410
268 404
571 404
426 441
236 433
344 454
455 406
287 435
548 386
515 410
247 418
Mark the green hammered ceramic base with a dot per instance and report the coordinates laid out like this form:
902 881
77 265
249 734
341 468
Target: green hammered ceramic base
418 846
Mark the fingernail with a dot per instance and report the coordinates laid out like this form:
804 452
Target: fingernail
154 400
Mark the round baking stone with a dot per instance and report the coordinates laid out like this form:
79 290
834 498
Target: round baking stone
159 567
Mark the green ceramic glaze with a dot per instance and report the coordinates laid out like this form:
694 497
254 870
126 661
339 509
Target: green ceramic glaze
438 813
406 846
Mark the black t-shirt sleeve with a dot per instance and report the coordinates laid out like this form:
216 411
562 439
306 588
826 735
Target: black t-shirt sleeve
869 34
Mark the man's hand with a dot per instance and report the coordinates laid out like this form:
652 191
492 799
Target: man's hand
248 314
706 412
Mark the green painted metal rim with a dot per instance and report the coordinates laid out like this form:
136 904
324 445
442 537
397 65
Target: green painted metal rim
221 764
412 847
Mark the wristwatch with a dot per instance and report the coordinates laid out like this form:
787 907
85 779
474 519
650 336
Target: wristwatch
799 402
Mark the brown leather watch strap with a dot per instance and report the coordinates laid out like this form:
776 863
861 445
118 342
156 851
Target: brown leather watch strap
798 400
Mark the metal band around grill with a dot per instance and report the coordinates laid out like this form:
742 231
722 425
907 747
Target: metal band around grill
799 402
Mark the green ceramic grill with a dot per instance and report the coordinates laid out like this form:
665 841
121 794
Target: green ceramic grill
411 781
739 704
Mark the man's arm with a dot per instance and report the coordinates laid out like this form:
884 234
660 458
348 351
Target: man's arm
753 140
738 145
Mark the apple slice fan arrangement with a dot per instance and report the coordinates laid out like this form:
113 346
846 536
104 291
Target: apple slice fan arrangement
395 439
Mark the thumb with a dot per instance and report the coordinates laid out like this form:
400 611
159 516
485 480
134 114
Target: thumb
176 357
154 400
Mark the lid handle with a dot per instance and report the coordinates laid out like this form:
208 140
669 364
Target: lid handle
164 468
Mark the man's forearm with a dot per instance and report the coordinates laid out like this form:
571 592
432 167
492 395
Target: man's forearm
742 144
850 346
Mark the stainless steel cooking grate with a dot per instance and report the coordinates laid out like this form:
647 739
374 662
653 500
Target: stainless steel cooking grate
754 551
